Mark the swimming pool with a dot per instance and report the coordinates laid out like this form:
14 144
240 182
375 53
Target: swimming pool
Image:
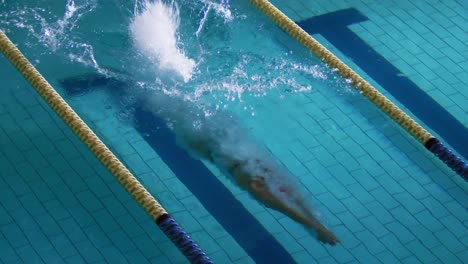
386 198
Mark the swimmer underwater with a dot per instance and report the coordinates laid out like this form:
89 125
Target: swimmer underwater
218 138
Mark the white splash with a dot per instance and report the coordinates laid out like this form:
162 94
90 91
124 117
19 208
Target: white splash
154 32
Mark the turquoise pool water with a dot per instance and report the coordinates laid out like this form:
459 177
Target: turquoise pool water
379 190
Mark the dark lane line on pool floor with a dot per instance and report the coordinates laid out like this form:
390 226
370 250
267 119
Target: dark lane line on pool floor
334 27
259 244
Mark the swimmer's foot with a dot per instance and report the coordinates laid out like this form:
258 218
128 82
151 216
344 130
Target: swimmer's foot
328 237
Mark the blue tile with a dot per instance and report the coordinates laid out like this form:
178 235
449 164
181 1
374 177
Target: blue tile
81 216
411 260
421 252
35 158
436 209
97 236
236 251
372 224
414 188
121 241
293 228
9 200
113 205
28 255
455 226
450 241
404 217
387 257
146 246
52 180
171 252
384 198
24 220
390 185
42 191
72 230
409 202
327 260
427 238
362 255
89 201
394 245
380 212
26 171
136 164
73 181
66 196
14 235
4 217
323 156
313 185
59 163
56 210
112 255
136 257
313 247
463 254
444 255
351 221
401 232
429 221
206 242
331 202
88 252
67 149
370 242
355 207
39 241
360 193
145 151
321 173
457 210
97 186
17 185
299 257
437 192
365 179
22 142
131 227
336 188
220 257
63 246
82 166
105 221
7 254
340 254
179 190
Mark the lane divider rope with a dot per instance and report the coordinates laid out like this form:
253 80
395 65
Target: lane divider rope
429 141
159 215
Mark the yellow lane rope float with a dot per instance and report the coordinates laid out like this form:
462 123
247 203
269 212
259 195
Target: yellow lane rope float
429 141
167 224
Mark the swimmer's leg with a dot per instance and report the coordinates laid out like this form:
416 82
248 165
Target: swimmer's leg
323 234
261 192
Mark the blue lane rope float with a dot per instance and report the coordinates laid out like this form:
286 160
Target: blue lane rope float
159 215
447 156
430 142
182 240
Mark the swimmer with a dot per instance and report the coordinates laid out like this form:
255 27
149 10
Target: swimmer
222 141
259 187
262 178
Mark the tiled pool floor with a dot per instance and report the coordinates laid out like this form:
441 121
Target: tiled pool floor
388 202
